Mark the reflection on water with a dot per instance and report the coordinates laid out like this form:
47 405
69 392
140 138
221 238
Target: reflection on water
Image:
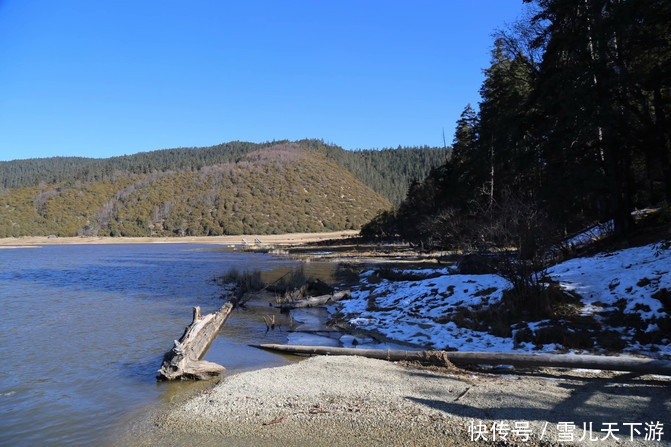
85 327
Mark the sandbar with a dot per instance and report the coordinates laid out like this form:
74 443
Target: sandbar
275 239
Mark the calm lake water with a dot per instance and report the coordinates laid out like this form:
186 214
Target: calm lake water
84 329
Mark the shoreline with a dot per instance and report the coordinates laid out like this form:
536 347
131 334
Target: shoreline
346 401
342 401
278 239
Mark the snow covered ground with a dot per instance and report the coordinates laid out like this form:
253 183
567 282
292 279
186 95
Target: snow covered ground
622 291
629 286
592 234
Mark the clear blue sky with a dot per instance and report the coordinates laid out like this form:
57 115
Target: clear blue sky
101 78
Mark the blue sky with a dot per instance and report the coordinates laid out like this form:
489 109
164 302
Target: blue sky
104 78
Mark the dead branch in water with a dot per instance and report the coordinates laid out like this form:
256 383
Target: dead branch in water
315 301
184 359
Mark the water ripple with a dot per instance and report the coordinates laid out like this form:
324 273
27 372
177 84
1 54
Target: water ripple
90 325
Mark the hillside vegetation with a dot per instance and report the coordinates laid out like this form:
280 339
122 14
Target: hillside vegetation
276 188
388 172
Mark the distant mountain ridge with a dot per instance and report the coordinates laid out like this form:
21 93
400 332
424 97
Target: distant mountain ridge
235 188
386 171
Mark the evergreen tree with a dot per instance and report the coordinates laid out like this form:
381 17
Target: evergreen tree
595 109
573 123
502 151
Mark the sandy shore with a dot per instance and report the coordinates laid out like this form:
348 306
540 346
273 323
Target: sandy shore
334 401
291 238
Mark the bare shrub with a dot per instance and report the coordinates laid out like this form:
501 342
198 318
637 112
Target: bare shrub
89 230
281 153
240 284
523 226
40 200
514 234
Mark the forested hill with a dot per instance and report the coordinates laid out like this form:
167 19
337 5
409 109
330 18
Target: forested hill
388 172
573 128
235 188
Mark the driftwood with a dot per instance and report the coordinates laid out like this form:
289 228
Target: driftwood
184 359
315 301
311 288
640 365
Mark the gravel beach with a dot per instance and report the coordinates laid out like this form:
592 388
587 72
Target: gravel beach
345 401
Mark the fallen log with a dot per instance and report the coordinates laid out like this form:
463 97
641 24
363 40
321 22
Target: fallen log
315 301
183 361
631 364
311 288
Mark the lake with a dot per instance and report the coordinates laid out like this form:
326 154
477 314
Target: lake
84 329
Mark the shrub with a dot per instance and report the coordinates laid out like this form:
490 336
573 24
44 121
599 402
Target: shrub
241 284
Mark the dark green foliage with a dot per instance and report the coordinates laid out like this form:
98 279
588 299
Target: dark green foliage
19 173
577 136
602 104
388 172
574 123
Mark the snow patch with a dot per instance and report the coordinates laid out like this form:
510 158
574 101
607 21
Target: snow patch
422 311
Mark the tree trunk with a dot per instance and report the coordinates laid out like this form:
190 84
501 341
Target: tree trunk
184 359
664 141
646 366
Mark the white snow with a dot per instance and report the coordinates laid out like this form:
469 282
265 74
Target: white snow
632 275
421 312
591 234
413 311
